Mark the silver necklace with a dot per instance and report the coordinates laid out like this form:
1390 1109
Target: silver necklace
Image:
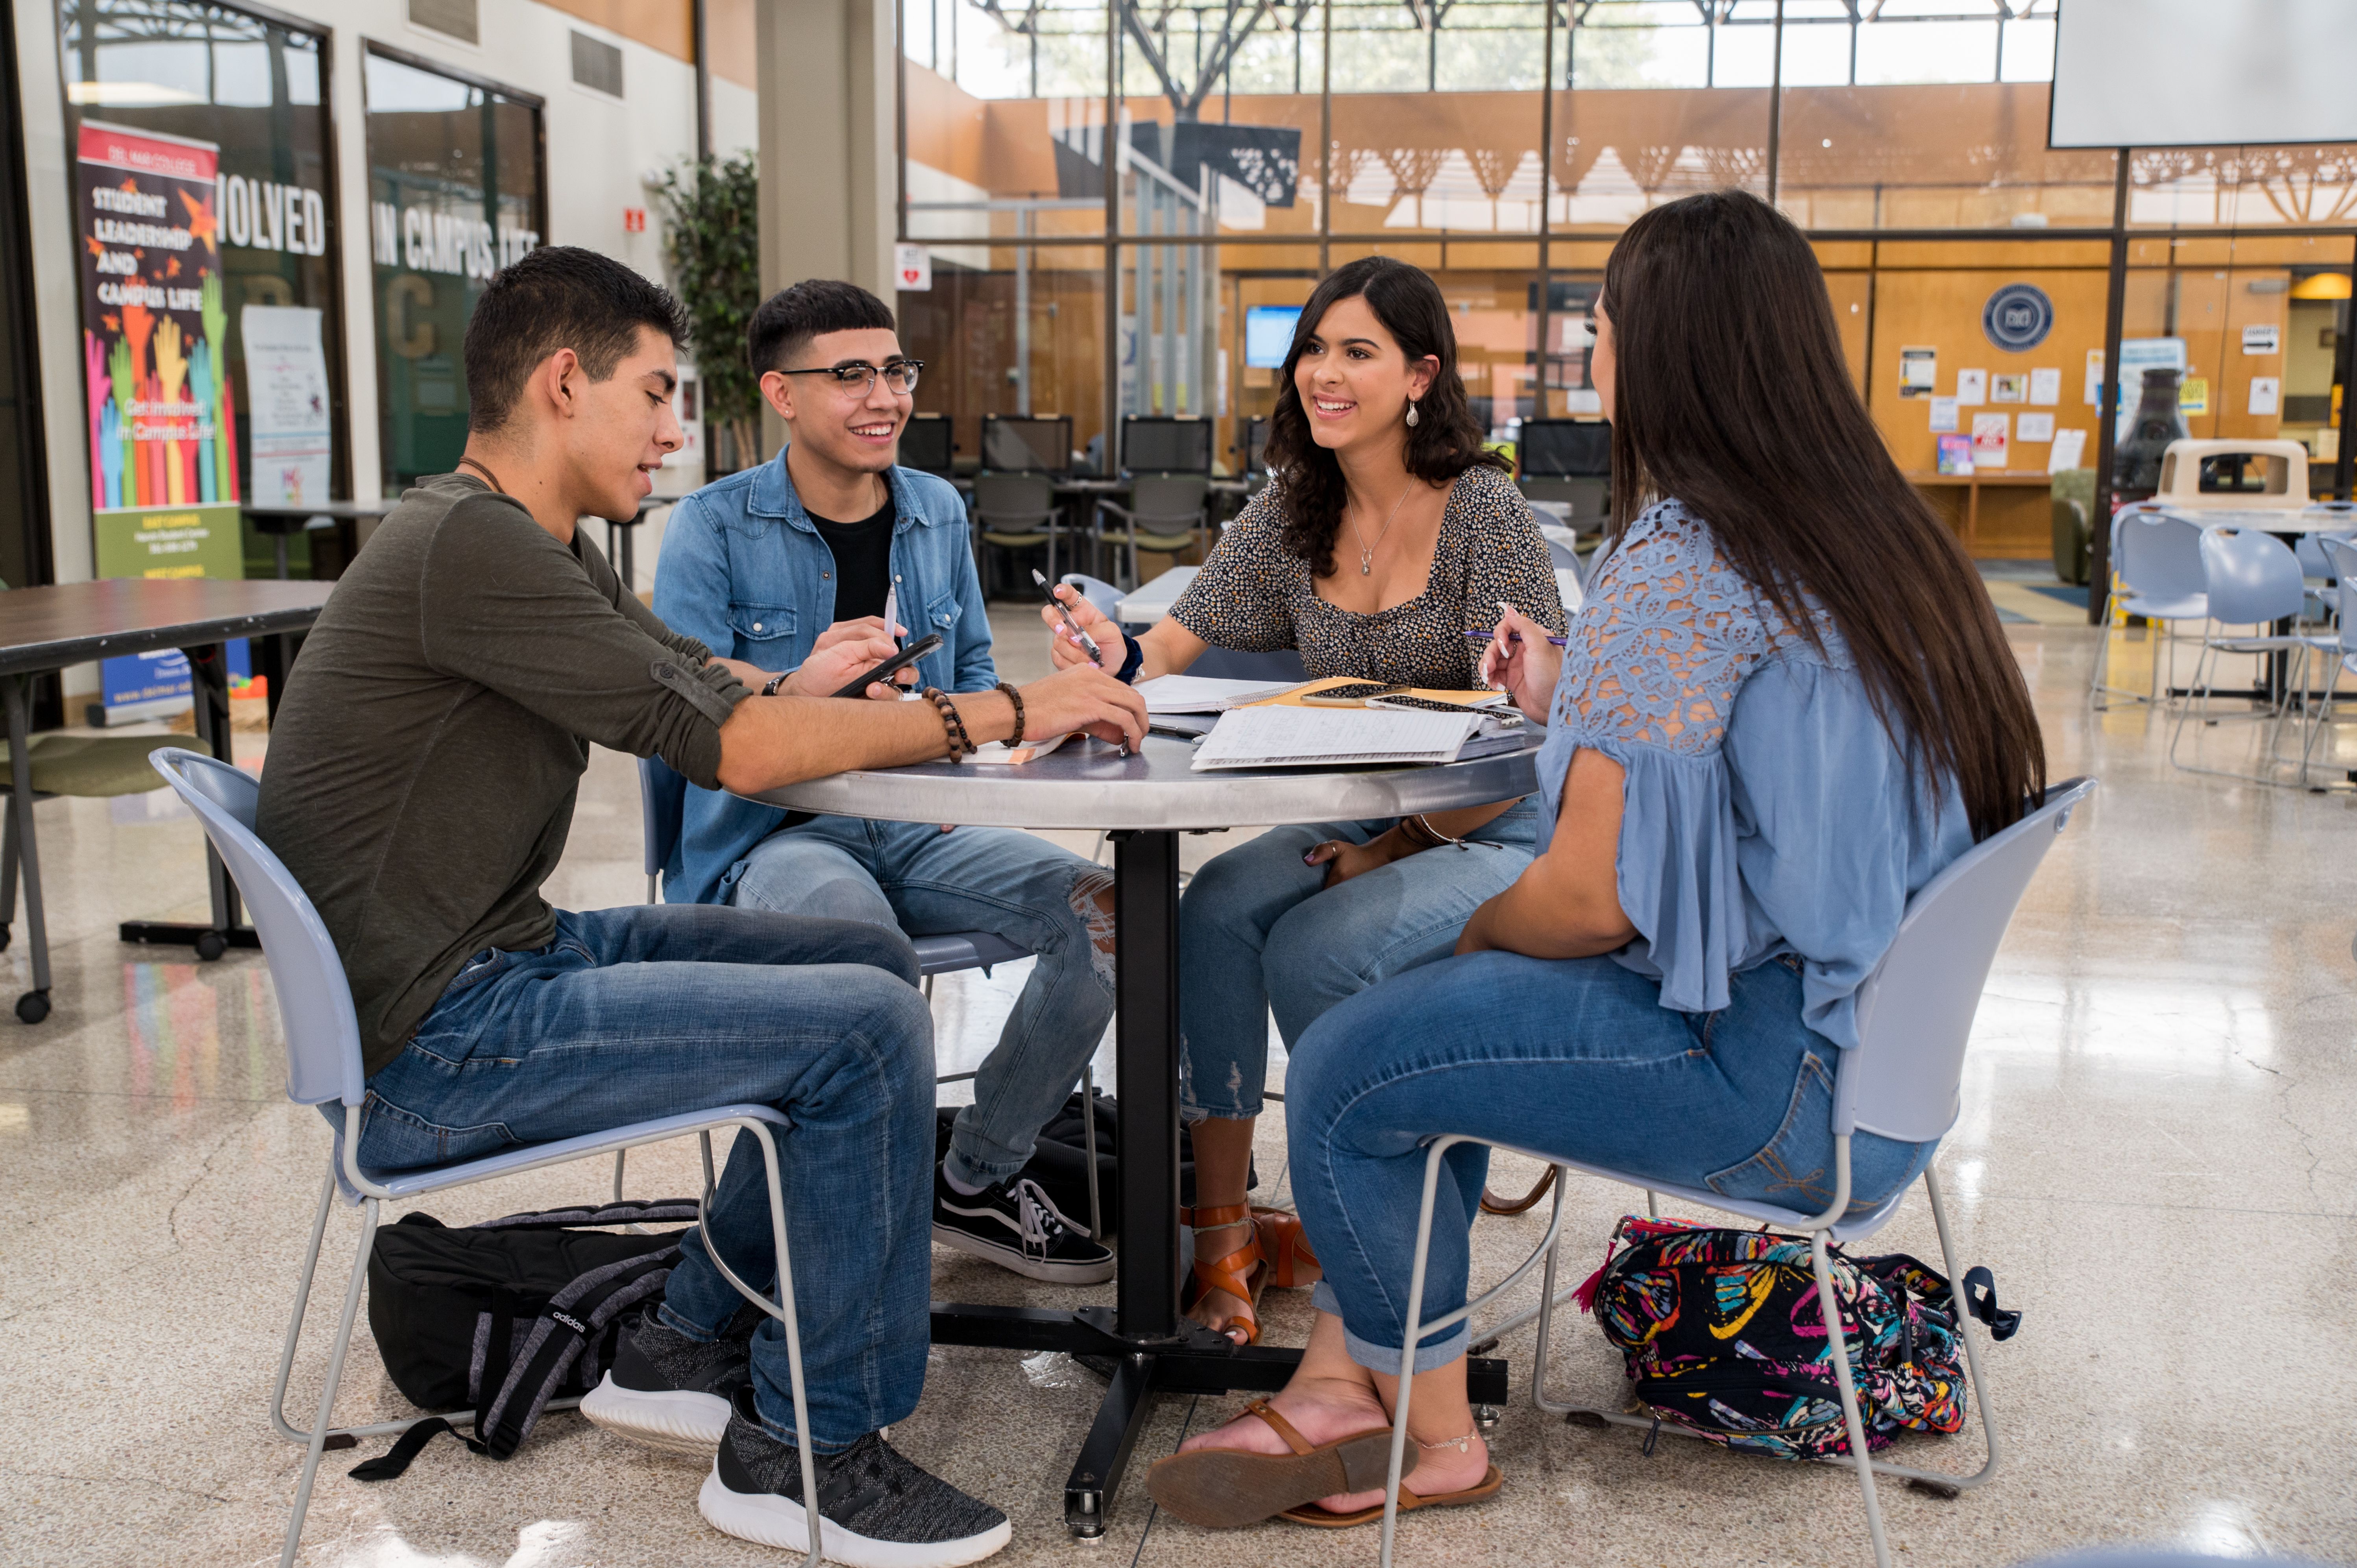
1367 550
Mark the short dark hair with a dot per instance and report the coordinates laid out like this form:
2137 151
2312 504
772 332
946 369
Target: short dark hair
787 320
558 297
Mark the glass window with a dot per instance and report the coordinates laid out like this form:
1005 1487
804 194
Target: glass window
243 94
1037 311
2243 186
1934 157
1006 115
454 194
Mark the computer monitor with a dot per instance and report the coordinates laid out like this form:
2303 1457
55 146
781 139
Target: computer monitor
1164 443
925 444
1256 443
1565 449
1027 443
1268 334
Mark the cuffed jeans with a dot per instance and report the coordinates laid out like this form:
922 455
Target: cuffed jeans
1259 932
913 877
637 1013
1574 1057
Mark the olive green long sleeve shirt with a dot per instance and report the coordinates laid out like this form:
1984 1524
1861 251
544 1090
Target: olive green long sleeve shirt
423 762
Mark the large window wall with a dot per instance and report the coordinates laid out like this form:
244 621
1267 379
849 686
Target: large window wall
1111 189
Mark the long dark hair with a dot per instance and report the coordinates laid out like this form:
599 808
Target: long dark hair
1733 397
1443 441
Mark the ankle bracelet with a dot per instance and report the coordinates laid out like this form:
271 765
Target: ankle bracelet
1462 1445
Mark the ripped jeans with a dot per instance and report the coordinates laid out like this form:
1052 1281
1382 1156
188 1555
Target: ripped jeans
917 879
1260 933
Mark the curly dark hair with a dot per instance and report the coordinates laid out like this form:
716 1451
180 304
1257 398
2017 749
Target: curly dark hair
1443 441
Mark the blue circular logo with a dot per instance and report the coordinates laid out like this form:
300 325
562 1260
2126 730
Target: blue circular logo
2017 318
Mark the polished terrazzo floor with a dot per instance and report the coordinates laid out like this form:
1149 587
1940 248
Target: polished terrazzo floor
2154 1157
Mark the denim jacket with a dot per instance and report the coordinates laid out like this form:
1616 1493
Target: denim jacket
744 571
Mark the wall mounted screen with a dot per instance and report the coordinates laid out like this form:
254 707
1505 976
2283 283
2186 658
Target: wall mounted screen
1268 333
2187 73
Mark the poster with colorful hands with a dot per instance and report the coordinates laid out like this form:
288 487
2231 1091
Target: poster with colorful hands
163 422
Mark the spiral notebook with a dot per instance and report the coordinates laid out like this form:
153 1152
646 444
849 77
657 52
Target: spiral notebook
1326 737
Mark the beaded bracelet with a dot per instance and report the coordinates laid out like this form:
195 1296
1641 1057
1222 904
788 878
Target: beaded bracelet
961 744
1014 697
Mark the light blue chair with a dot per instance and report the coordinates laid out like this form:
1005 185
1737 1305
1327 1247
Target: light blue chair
2158 557
1914 1020
323 1066
662 800
2253 579
2341 558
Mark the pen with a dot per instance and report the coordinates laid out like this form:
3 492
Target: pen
1510 637
1082 638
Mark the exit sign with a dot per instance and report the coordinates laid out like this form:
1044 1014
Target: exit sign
634 220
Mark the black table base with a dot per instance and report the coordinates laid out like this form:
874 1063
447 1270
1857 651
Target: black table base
1152 1349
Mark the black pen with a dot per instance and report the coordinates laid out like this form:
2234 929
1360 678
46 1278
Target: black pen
1082 638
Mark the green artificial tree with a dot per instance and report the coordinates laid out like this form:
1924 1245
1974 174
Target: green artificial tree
712 240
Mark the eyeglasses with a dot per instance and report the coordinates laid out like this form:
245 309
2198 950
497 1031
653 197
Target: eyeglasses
900 375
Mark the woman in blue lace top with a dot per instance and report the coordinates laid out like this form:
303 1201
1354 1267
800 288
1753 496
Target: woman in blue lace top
1786 704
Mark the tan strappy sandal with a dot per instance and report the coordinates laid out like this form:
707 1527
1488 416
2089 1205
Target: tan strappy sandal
1221 1488
1243 1274
1291 1263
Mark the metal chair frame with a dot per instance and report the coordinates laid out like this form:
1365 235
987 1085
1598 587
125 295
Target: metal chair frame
315 1000
989 525
2218 544
2161 628
1835 1224
1193 525
2341 553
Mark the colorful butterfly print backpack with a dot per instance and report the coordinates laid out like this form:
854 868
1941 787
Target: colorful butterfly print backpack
1722 1334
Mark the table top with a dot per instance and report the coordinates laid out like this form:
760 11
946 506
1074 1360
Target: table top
1088 784
1149 602
49 629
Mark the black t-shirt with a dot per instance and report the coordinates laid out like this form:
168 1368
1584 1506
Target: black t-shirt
863 562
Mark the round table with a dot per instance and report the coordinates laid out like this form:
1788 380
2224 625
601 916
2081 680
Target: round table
1145 801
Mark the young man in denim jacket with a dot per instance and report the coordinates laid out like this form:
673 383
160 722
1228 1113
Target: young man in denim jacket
821 544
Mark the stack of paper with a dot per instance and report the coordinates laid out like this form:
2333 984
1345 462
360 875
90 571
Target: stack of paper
1202 693
1317 737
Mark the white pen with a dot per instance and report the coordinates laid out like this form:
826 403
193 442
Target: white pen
892 613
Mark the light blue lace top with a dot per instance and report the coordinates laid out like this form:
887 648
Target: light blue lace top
1766 811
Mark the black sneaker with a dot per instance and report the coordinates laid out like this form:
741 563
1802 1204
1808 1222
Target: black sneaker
1017 1228
876 1510
669 1391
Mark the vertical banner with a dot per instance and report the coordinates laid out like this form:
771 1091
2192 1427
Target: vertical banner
162 424
287 389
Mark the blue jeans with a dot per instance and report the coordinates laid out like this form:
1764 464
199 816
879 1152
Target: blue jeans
913 877
642 1011
1259 933
1574 1057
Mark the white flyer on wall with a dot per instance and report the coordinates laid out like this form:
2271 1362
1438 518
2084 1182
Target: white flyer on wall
1972 388
287 371
2267 395
1943 415
2035 427
2046 386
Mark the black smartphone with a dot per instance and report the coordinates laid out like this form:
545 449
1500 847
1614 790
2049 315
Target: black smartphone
1349 696
898 661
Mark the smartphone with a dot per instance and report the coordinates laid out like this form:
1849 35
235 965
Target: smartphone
1429 705
898 661
1349 696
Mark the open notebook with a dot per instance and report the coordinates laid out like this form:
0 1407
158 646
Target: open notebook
1322 737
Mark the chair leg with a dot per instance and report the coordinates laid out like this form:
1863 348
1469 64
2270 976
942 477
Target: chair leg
1829 1305
7 873
335 1375
1407 1344
812 1519
1978 1386
621 1158
302 1302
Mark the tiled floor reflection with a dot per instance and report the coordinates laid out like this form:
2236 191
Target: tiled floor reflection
2154 1157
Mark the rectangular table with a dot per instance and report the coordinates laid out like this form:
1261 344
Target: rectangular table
45 629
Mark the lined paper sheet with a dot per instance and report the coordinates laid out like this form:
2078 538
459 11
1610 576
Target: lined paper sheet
1302 737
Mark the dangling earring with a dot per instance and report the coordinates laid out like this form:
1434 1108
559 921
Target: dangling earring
1411 412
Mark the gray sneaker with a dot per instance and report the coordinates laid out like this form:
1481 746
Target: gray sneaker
669 1391
876 1509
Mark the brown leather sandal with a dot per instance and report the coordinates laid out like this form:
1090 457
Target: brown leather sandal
1291 1263
1312 1514
1243 1274
1219 1488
